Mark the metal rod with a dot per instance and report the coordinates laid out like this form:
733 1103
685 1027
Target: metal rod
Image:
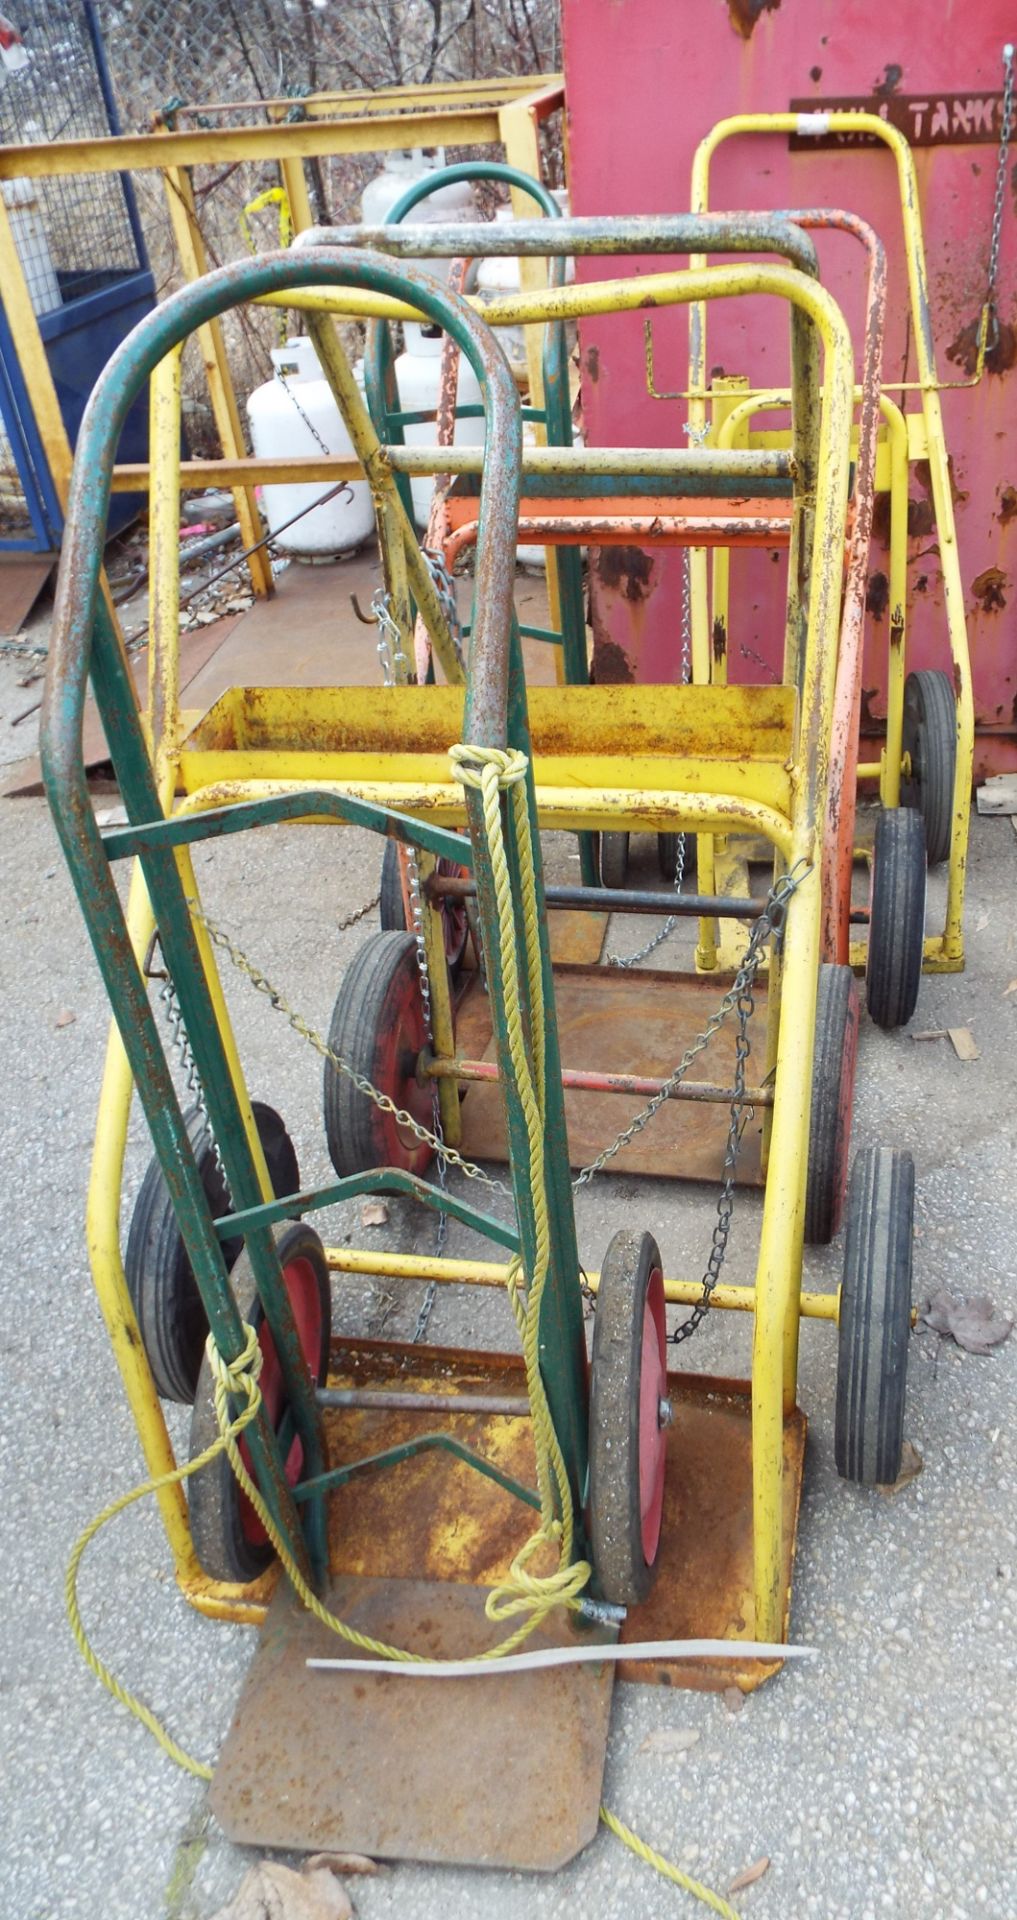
703 1091
614 900
514 1406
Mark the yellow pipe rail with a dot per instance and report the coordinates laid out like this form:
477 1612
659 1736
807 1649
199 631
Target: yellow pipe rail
493 1273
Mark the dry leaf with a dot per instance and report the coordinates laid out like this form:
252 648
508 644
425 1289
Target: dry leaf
733 1699
340 1863
911 1465
974 1324
374 1214
964 1044
670 1740
271 1891
65 1018
749 1875
931 1033
1012 988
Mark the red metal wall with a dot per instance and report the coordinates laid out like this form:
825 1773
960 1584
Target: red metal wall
646 79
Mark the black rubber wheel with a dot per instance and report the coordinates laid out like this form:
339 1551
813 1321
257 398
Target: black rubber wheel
833 1086
667 854
392 907
893 967
930 738
628 1384
875 1318
162 1287
228 1537
378 1027
614 859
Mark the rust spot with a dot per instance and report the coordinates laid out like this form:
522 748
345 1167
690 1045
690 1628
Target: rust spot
963 351
892 77
877 598
987 588
1007 506
611 664
922 583
745 13
881 519
921 519
719 639
956 681
627 570
923 475
593 363
816 74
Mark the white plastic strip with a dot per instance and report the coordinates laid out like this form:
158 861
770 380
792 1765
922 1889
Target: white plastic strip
593 1654
813 123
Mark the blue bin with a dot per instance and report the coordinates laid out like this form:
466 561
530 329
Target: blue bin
99 311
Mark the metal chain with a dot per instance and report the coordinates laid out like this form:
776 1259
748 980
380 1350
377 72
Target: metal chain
395 668
741 1114
1006 128
309 424
280 1004
180 1044
444 587
770 920
673 920
343 926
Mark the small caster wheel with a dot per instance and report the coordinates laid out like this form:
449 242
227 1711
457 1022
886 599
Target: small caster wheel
875 1318
229 1539
930 738
629 1417
667 854
392 906
614 859
893 967
378 1027
163 1290
833 1088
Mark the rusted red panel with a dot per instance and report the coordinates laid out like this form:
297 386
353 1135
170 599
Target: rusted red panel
644 84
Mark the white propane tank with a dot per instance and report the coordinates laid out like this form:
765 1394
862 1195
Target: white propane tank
22 203
418 380
497 276
454 202
292 415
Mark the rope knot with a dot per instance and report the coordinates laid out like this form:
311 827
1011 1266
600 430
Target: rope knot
469 765
239 1376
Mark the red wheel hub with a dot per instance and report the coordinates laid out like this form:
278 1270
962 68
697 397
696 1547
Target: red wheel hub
305 1300
652 1434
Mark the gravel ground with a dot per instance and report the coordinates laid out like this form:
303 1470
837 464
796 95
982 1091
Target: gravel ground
879 1780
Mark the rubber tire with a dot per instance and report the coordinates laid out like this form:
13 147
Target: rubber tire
392 908
833 1085
614 860
893 967
930 737
667 854
215 1503
624 1573
370 1004
163 1290
875 1318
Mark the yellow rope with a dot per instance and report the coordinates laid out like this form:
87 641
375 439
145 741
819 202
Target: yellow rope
664 1867
241 1376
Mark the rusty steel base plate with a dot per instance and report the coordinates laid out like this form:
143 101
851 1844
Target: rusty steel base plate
626 1021
502 1771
